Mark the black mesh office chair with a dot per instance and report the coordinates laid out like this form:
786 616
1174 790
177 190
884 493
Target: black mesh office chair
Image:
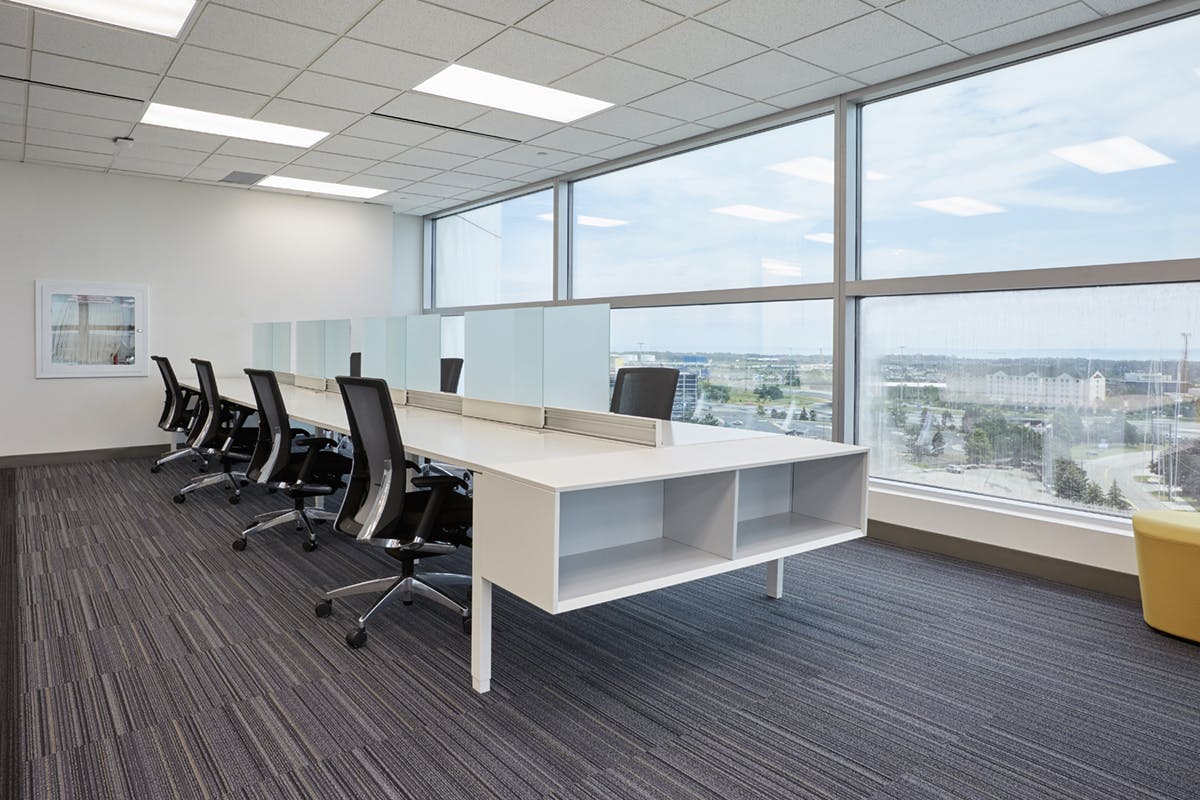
179 408
451 370
645 392
378 511
219 432
315 472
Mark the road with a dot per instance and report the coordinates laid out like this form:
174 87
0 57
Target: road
1122 467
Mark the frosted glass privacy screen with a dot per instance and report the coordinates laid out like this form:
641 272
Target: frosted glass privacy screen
384 349
575 357
504 353
423 352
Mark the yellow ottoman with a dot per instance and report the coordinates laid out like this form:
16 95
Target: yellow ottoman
1168 554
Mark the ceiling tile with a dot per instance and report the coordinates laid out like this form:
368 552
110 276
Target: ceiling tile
1117 6
676 134
217 99
628 123
349 164
11 150
765 75
688 7
103 44
77 123
327 90
462 180
210 175
228 164
580 162
263 151
14 114
510 125
742 114
390 130
370 63
533 156
954 19
473 194
363 148
907 65
429 108
690 101
531 176
57 155
314 173
775 22
616 81
232 31
818 91
223 69
690 49
77 74
81 103
432 158
14 25
465 144
506 11
14 61
860 43
409 172
432 189
377 182
306 115
429 30
607 26
12 91
327 15
622 150
70 141
494 170
1028 28
131 163
12 133
171 155
171 137
527 57
575 140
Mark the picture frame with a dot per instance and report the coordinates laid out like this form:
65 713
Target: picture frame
90 329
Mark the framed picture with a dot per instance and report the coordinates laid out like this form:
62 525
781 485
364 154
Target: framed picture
91 330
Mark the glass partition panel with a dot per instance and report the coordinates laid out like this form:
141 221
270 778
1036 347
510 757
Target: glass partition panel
310 348
504 349
337 348
423 352
281 338
262 353
374 347
757 366
453 345
1069 397
575 361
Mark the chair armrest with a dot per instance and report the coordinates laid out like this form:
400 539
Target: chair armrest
412 465
310 441
437 481
239 419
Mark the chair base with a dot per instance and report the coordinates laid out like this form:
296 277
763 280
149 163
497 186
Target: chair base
233 481
302 516
402 587
172 455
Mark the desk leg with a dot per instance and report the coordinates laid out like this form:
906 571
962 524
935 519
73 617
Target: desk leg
775 578
481 634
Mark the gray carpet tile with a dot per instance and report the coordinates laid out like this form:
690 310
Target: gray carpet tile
150 660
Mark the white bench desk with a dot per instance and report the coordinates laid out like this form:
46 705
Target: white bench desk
566 521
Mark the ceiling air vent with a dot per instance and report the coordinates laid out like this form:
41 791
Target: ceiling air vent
242 178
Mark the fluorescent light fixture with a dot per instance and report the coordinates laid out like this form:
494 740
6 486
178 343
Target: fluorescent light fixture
164 17
961 206
1113 155
509 94
320 187
816 169
591 222
823 238
189 119
756 213
777 266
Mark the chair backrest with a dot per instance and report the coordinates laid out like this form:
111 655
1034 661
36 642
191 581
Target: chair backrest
273 448
645 392
207 430
375 494
173 406
451 370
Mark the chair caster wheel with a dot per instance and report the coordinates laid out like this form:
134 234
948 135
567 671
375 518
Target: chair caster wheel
356 638
234 499
466 625
325 608
272 490
156 469
239 544
308 546
407 602
244 483
179 498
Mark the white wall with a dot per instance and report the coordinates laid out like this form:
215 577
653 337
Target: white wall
215 259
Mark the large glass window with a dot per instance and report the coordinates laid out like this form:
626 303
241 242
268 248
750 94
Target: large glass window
1090 156
501 253
755 211
756 366
1075 397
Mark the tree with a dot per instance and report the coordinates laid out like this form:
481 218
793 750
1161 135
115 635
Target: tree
947 419
715 392
765 393
978 447
938 445
1070 480
896 414
760 410
1115 498
1093 495
1130 435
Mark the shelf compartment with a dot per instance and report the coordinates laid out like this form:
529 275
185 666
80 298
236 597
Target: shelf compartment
597 576
780 535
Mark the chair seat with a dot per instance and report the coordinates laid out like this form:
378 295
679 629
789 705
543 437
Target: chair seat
1168 555
454 520
324 477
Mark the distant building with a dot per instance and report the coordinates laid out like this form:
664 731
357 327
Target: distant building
1030 389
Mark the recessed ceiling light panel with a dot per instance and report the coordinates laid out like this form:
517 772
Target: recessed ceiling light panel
189 119
164 17
509 94
1113 155
320 187
756 213
961 206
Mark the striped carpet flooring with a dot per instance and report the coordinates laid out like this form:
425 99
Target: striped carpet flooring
156 662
